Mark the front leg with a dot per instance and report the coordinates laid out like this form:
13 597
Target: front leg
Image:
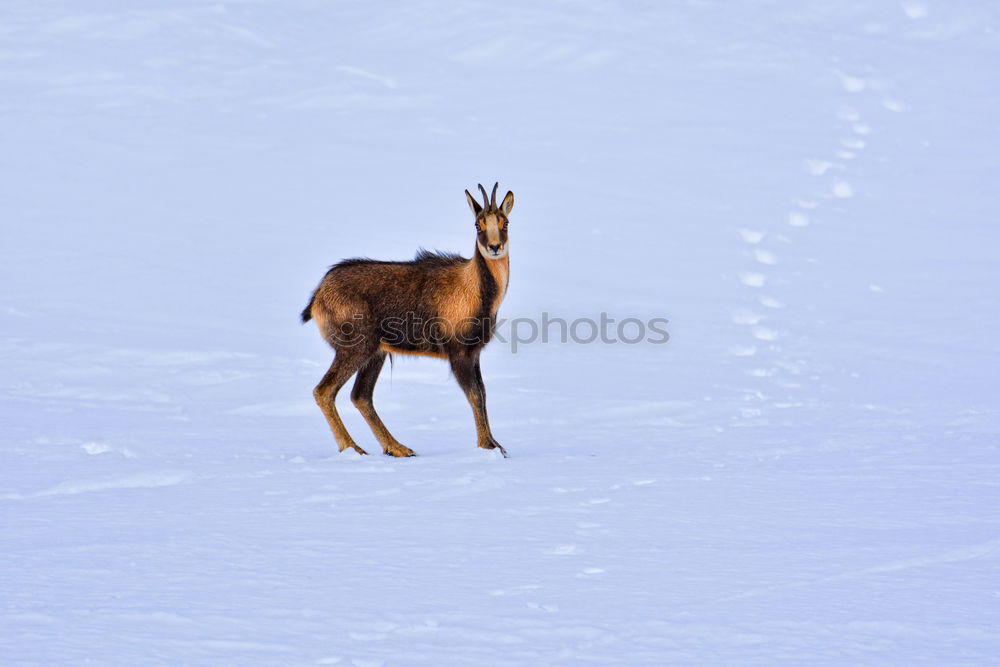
465 367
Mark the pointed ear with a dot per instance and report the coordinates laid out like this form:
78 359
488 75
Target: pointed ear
508 203
473 204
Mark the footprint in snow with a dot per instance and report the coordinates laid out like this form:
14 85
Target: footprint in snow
819 167
94 448
851 84
746 316
770 302
842 190
798 219
914 10
764 256
591 571
751 236
752 279
763 333
893 105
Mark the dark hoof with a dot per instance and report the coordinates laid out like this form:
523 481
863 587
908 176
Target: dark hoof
495 445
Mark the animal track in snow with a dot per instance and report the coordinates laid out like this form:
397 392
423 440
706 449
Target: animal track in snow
818 167
764 256
842 190
893 105
770 302
94 448
798 216
763 333
751 279
914 10
851 84
797 219
591 571
746 316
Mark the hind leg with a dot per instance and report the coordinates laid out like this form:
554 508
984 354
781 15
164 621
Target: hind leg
361 396
347 361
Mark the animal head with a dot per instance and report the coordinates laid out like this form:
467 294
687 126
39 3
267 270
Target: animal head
491 222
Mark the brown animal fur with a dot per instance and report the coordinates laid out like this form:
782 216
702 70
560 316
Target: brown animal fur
437 305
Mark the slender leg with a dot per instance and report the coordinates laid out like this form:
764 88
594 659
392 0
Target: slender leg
482 392
347 361
361 396
470 379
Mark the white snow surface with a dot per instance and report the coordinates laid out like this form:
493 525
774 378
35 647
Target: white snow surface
807 472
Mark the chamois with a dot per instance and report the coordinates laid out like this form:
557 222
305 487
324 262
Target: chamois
438 304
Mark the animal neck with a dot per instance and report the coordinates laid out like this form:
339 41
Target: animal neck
495 272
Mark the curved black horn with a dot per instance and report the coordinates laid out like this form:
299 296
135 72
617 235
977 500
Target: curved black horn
493 198
486 199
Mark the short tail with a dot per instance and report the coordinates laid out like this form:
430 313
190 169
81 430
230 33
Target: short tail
307 313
